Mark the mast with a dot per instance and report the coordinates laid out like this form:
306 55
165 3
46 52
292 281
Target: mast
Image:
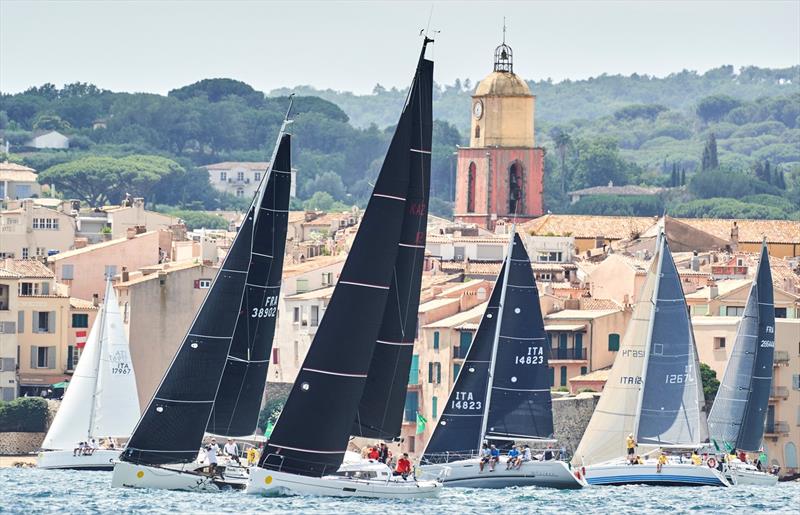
660 249
97 356
485 419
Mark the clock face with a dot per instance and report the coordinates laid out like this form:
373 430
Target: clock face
477 110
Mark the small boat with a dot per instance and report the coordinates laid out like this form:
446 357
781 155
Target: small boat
216 380
736 420
100 403
653 392
502 392
307 447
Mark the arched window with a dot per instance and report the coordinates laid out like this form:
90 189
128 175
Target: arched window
477 131
471 188
515 190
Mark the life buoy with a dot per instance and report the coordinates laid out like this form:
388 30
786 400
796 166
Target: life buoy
712 463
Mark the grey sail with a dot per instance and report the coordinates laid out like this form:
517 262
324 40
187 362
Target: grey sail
727 413
672 400
755 412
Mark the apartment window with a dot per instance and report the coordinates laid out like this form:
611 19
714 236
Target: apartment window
257 176
551 257
40 251
25 254
70 360
45 223
434 373
434 406
80 320
458 253
701 309
240 192
544 276
314 316
223 176
719 342
5 297
302 285
45 288
780 312
796 381
275 356
9 255
584 370
239 176
327 278
67 272
296 317
204 284
28 289
296 353
735 311
613 342
563 376
44 321
43 357
411 407
20 323
413 373
456 370
436 340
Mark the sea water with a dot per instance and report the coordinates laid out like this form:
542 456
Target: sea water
32 491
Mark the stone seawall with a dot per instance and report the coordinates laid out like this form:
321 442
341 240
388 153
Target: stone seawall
12 444
571 415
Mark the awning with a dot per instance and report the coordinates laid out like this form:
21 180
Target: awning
62 384
41 379
569 328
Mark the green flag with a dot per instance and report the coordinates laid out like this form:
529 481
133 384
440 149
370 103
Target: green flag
268 430
421 421
763 458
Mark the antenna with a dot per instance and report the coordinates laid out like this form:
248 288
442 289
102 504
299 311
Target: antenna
504 30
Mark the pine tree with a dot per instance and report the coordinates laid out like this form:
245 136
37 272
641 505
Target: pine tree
712 151
758 170
780 180
683 176
767 173
706 159
674 181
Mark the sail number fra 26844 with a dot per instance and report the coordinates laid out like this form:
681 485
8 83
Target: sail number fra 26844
535 356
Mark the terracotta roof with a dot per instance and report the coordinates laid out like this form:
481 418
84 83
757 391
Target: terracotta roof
250 165
598 304
471 315
586 226
723 288
440 238
629 189
750 231
15 172
77 303
437 303
26 268
580 314
594 375
296 216
328 218
312 264
6 166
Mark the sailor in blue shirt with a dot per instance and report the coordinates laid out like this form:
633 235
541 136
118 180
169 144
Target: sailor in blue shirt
513 457
495 458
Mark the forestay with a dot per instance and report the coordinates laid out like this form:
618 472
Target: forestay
311 435
232 333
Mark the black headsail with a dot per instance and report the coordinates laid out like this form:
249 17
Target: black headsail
223 331
241 389
736 420
380 412
311 435
519 405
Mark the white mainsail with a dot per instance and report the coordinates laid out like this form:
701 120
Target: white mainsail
102 399
615 415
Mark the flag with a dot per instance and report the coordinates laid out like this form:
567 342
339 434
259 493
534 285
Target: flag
763 458
268 430
716 447
421 421
80 339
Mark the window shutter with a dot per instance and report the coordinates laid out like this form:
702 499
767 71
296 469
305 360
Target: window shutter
45 288
438 373
51 357
51 322
34 354
35 322
430 372
67 272
20 322
197 283
722 311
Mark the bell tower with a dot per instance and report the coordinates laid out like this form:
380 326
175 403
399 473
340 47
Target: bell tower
500 174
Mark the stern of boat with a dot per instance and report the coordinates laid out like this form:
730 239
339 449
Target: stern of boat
100 459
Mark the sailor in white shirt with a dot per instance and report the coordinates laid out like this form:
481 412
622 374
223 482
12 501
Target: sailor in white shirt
231 449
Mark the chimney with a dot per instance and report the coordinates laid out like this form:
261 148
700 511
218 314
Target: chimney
734 237
95 299
81 242
713 290
572 304
125 274
695 262
130 232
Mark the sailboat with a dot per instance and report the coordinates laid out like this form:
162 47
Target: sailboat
101 402
216 380
653 393
307 446
736 420
502 392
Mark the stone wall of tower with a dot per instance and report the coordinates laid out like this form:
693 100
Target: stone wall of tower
506 122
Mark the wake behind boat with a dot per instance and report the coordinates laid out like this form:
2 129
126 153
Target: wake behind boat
216 380
653 396
100 404
502 394
737 417
307 446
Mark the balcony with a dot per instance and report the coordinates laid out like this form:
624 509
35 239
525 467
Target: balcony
778 392
780 358
777 428
561 354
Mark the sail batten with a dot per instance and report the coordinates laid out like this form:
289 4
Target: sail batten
216 379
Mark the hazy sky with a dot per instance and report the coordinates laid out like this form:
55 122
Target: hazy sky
156 46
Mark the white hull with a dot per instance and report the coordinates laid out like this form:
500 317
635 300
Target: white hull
162 478
270 482
467 474
672 474
749 475
101 459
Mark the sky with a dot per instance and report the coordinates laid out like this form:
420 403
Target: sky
155 46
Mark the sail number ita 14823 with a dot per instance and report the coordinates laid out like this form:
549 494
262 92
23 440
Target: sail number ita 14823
535 356
465 401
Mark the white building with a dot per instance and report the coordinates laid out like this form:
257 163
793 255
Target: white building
17 181
48 139
240 178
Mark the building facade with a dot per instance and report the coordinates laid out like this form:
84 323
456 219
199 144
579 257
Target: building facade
32 231
17 181
501 173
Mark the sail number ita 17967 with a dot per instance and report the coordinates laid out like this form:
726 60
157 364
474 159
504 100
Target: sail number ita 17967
535 356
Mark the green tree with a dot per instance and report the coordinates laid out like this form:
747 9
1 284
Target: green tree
710 384
50 122
597 163
710 159
562 141
715 107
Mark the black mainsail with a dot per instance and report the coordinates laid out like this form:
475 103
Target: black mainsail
510 400
311 435
670 405
380 412
217 377
740 407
